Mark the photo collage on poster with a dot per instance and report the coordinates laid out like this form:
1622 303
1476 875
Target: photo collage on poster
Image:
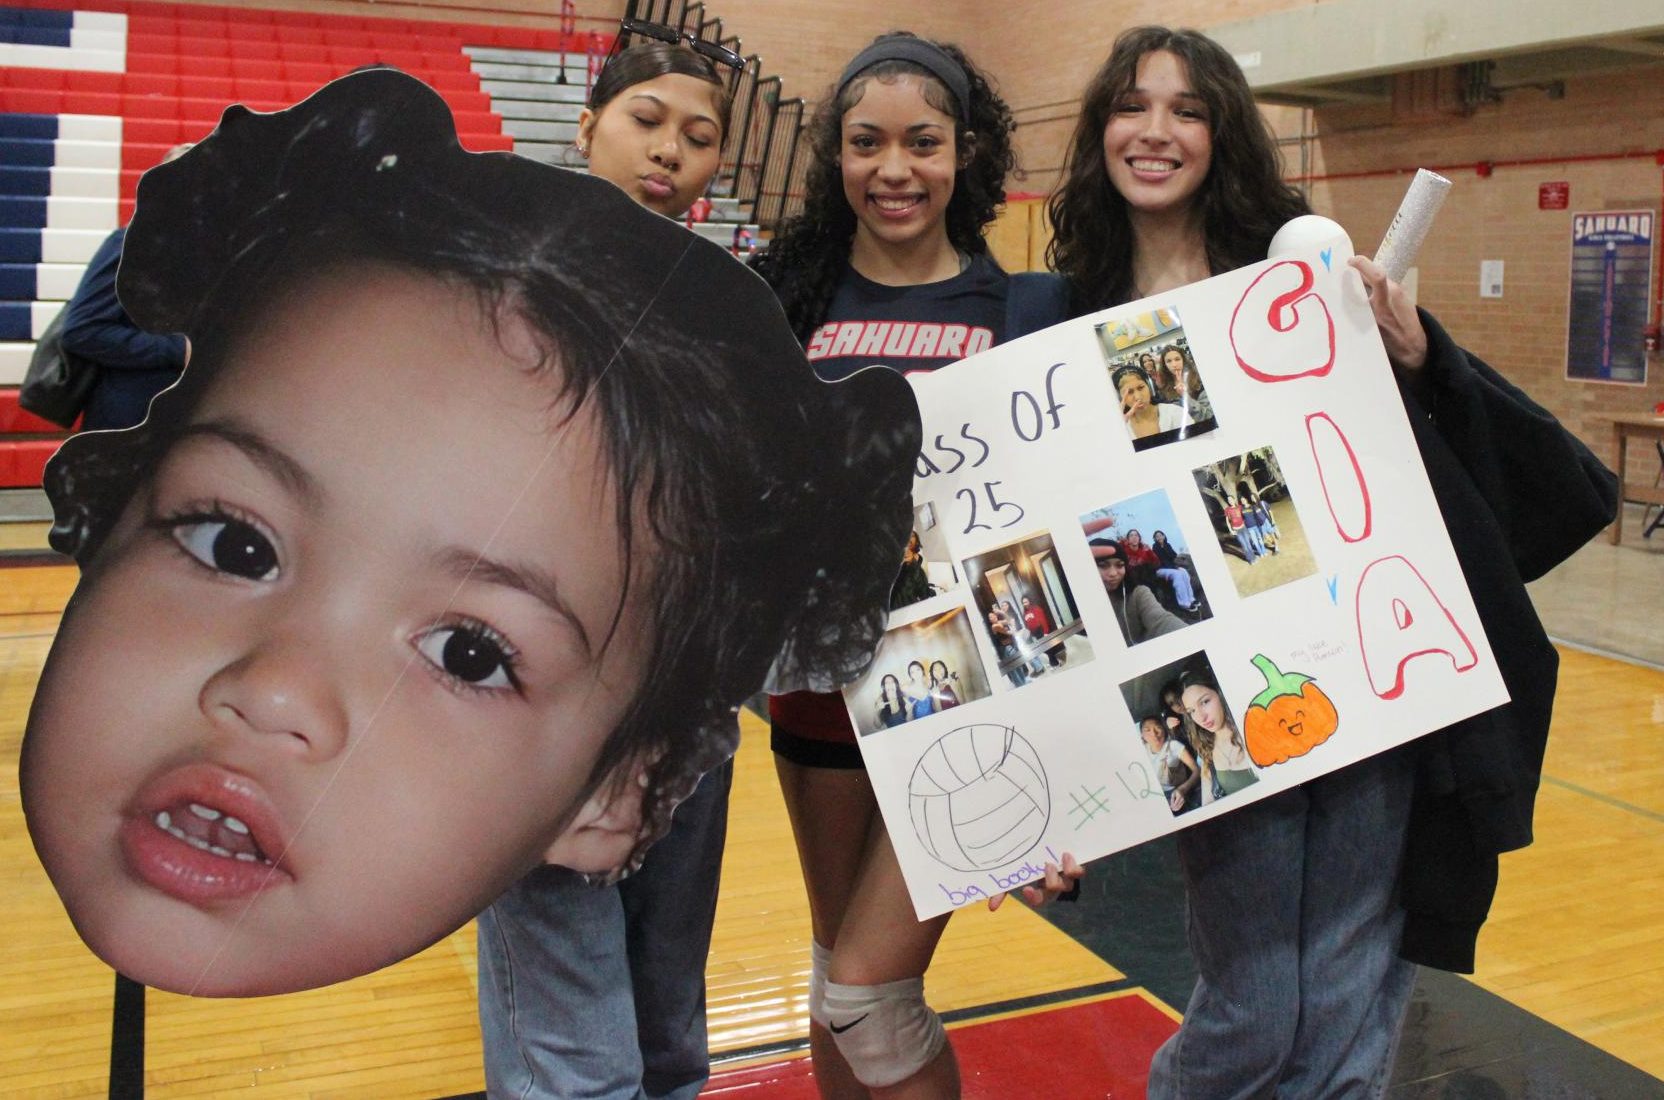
1006 616
963 630
1147 559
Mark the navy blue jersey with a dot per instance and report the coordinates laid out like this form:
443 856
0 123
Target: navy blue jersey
910 328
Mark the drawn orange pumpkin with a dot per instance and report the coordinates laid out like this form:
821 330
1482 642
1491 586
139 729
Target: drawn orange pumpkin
1289 718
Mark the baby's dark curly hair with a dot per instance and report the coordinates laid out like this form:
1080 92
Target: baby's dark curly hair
751 473
806 257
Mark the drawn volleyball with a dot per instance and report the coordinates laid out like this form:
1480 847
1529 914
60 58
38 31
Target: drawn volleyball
978 798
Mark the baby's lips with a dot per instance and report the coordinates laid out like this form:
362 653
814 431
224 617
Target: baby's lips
219 788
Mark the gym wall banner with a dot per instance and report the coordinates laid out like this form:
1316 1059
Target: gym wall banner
1611 288
486 498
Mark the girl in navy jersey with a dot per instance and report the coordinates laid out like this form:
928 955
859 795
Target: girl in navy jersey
887 265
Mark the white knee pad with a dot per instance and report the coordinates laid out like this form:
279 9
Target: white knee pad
885 1032
819 959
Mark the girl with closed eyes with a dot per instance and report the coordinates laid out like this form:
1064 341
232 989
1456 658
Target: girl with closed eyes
633 953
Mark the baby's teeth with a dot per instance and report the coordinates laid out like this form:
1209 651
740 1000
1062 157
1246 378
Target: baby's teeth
204 812
174 830
217 850
196 842
163 821
234 825
246 857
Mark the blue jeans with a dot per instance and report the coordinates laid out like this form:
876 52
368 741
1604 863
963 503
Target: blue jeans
599 994
1256 538
1294 925
1248 551
1180 580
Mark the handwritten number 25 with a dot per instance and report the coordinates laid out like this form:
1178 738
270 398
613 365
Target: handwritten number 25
995 505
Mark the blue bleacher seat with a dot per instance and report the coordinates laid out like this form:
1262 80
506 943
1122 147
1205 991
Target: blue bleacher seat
14 321
22 211
17 282
39 127
26 152
20 246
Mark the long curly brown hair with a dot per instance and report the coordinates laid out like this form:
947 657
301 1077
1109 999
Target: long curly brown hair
1242 202
806 258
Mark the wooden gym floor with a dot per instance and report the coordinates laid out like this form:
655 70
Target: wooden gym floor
1569 1000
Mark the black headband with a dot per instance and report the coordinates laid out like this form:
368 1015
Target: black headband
927 55
1133 368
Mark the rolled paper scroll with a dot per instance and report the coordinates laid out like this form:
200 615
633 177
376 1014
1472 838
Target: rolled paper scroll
1410 225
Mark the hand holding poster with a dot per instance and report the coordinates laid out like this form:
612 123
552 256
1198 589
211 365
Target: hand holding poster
1182 555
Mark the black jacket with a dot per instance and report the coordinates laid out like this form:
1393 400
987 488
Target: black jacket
1519 494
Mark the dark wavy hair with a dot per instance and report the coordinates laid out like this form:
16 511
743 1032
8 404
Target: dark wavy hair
650 59
747 468
1242 202
806 258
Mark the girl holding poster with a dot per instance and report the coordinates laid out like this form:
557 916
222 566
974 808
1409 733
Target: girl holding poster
886 265
1173 177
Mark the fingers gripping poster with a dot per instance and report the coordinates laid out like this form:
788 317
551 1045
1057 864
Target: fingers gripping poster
1167 560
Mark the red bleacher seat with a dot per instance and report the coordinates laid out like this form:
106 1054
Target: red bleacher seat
187 62
29 101
311 71
150 83
14 418
23 462
222 88
90 103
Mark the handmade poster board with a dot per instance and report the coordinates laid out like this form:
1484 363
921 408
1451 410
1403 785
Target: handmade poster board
1001 721
1611 288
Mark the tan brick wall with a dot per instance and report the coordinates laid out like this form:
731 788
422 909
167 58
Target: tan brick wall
1523 333
808 43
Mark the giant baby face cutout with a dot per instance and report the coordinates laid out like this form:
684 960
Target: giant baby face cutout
486 498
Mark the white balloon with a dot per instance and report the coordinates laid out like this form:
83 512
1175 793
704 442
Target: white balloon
1307 233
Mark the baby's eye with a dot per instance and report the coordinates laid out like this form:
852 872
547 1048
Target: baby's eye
471 654
700 141
227 545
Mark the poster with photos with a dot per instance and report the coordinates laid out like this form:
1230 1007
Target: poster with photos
1170 559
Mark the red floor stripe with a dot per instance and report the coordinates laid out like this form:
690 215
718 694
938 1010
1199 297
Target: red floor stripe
1093 1050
